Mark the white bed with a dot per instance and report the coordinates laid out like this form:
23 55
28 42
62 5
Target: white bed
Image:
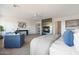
41 45
60 48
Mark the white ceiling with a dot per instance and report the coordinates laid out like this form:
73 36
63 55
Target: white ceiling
36 11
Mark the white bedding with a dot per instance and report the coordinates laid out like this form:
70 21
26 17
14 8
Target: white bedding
60 48
40 45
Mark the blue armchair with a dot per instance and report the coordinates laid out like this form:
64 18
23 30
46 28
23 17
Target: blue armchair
13 40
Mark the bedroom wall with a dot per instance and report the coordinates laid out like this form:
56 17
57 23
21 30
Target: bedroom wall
10 23
62 19
67 18
74 17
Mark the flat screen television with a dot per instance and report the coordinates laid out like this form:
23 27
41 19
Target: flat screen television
46 29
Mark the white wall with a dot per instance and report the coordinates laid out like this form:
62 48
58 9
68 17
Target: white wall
10 24
62 27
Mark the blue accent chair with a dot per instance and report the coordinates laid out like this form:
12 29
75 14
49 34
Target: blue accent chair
68 38
13 40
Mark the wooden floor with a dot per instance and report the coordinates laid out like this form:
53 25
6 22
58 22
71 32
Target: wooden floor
24 50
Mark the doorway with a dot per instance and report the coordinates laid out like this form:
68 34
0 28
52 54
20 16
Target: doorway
58 27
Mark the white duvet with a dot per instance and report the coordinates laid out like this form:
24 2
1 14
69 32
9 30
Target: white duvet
60 48
41 45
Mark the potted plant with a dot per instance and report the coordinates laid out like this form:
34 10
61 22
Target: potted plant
1 30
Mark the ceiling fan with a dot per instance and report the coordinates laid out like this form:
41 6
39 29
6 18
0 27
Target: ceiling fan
15 5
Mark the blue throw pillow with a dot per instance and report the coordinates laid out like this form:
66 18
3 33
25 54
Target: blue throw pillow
68 38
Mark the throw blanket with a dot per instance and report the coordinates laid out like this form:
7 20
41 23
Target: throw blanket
40 45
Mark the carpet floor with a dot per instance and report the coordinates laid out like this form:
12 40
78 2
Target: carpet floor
24 50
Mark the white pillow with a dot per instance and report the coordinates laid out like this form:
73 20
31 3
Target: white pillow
76 40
